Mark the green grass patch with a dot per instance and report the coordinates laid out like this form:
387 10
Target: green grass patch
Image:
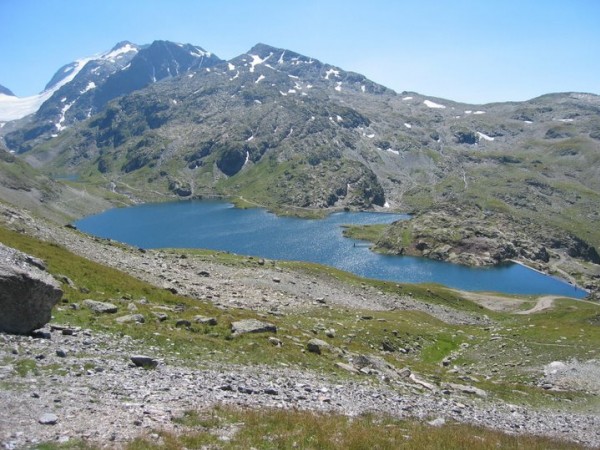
25 366
271 429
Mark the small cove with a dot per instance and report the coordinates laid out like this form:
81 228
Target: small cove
218 225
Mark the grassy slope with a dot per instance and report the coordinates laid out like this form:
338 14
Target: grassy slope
527 341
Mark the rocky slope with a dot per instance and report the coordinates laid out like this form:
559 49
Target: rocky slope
26 187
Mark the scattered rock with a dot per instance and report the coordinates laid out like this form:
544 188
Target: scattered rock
27 292
317 346
100 307
161 317
183 323
203 320
41 334
144 361
420 382
61 353
468 389
347 367
388 346
440 421
252 326
48 419
136 318
275 341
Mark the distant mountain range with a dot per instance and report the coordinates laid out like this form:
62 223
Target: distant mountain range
290 132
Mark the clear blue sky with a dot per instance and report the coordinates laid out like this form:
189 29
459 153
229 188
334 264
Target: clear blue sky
475 51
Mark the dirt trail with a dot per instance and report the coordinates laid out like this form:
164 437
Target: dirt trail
543 303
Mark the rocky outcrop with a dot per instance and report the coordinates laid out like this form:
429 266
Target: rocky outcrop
476 237
27 292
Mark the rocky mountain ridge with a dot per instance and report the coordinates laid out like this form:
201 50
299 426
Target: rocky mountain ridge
82 88
294 134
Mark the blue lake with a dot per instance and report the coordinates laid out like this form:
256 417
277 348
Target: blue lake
219 226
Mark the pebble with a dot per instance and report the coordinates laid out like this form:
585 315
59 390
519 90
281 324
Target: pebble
48 419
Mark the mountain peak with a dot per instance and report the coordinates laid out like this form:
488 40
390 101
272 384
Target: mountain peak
6 91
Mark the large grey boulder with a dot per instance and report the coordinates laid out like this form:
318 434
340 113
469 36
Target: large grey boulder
252 326
27 292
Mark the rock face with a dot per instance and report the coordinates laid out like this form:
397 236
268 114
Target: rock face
27 292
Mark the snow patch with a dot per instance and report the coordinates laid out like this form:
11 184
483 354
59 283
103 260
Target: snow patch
431 104
407 125
59 125
259 79
565 120
118 53
248 140
190 75
293 76
198 52
91 85
247 154
406 99
479 112
363 88
339 86
13 108
235 76
370 136
173 101
283 93
339 118
468 112
257 60
386 205
332 72
527 121
280 60
484 136
230 66
395 152
291 91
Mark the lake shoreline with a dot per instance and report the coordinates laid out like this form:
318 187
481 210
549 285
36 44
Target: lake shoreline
219 225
